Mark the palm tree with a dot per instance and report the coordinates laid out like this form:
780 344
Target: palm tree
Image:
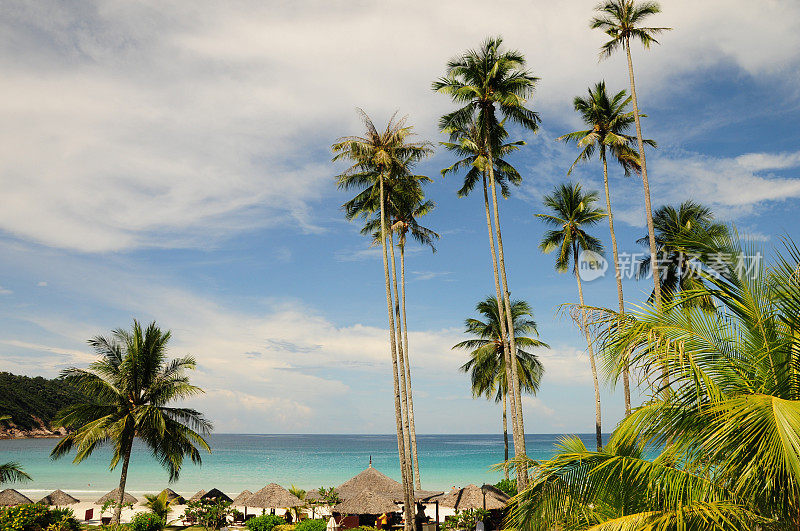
621 21
729 429
487 358
483 82
405 201
159 504
678 231
374 158
571 212
125 396
608 120
301 495
11 472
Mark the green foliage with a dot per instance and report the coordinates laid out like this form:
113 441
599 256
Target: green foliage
283 527
508 486
329 496
728 420
466 519
265 522
25 399
309 524
147 522
487 366
209 513
159 504
35 517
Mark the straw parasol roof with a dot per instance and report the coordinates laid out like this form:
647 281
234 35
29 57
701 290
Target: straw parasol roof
370 480
313 495
12 497
472 497
114 496
58 498
215 494
173 497
273 496
366 502
197 495
242 498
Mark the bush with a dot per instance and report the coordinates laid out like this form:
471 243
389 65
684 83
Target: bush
283 527
508 486
265 522
308 524
147 522
211 514
35 517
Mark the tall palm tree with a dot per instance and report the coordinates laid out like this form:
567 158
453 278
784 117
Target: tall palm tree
125 396
621 21
678 233
373 158
11 472
730 429
483 82
608 120
571 211
487 357
406 223
405 201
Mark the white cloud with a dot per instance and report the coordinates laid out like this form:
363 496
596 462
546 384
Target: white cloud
154 124
41 284
5 291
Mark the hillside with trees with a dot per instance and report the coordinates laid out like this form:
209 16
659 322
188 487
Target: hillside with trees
32 403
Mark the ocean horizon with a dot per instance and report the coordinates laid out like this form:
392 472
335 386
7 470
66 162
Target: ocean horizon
250 461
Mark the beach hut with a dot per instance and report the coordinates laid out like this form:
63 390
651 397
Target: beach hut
10 497
114 496
173 497
367 502
241 500
474 497
59 498
216 494
372 481
273 496
197 495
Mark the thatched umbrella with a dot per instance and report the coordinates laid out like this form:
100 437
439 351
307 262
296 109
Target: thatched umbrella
215 494
11 497
173 497
273 496
474 497
373 481
114 496
366 502
59 498
197 495
241 500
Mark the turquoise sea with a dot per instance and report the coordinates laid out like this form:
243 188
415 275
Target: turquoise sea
241 462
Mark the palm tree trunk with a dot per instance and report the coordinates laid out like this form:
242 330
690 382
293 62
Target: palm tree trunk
123 478
401 361
519 450
597 414
651 233
618 274
398 413
505 435
500 312
413 432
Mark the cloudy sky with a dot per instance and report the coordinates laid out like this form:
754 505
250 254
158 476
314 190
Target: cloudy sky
171 162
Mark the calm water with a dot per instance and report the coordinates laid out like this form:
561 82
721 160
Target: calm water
241 462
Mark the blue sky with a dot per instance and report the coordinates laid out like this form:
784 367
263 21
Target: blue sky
172 162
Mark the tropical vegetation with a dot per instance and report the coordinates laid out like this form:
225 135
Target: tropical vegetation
381 165
36 517
486 363
125 397
485 82
11 472
608 120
